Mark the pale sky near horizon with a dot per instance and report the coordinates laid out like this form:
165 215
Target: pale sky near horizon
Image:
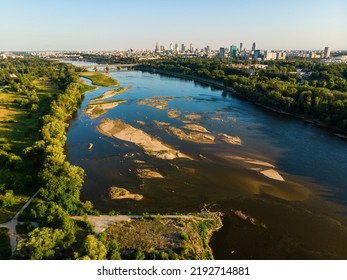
119 24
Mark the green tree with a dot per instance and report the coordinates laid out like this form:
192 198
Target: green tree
94 249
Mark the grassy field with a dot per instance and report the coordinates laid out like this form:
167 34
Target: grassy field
163 238
99 79
5 246
20 128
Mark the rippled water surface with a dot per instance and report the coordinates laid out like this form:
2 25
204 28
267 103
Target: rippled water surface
300 217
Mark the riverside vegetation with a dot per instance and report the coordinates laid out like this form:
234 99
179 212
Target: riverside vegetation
306 88
38 99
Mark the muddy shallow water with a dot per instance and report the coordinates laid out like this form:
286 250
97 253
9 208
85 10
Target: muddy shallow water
238 170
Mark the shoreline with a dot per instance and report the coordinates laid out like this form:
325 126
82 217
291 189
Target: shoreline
333 130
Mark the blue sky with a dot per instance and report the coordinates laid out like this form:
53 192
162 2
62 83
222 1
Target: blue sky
110 25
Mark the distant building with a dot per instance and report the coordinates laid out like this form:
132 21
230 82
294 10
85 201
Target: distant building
191 47
241 46
221 52
327 51
208 48
176 48
183 48
233 51
162 48
171 47
281 55
258 54
156 47
253 47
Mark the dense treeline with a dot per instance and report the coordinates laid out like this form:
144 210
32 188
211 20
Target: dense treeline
47 232
309 88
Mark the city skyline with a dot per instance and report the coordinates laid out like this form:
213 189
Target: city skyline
114 25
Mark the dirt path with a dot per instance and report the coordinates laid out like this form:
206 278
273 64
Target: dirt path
11 225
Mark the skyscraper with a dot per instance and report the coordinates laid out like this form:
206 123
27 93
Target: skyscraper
253 47
156 47
183 48
171 47
191 47
327 51
241 46
176 48
221 52
233 51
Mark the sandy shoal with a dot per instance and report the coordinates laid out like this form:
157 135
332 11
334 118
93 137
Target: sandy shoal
272 174
193 117
148 173
151 146
195 137
121 193
235 140
195 127
95 110
113 92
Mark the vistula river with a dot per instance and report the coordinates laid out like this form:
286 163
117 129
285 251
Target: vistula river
302 217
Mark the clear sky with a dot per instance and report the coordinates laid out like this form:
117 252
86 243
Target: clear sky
120 24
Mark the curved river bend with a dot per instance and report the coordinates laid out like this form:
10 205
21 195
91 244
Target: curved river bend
302 217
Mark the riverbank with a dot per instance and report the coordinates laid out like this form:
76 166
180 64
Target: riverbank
332 129
159 236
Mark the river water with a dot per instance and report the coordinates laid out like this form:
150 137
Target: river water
302 217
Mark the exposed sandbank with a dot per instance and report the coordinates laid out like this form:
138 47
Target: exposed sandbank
261 166
273 174
158 102
173 114
120 193
151 146
195 127
235 140
112 92
147 174
96 109
193 117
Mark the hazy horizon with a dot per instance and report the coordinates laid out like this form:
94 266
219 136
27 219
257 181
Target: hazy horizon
121 25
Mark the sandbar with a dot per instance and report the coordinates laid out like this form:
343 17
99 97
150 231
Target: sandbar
158 102
151 146
147 173
216 119
272 174
112 92
120 193
96 109
173 114
195 127
235 140
193 117
195 137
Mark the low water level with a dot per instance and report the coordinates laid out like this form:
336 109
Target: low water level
302 217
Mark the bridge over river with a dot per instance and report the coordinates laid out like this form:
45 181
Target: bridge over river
112 67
